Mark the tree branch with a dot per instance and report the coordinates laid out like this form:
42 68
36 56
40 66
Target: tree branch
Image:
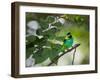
65 52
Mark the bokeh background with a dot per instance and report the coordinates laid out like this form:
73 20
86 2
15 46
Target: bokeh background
45 34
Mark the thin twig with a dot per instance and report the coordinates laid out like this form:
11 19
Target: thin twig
73 57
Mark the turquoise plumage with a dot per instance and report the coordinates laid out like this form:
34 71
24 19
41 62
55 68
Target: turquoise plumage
68 42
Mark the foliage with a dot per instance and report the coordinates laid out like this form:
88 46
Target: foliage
47 47
79 19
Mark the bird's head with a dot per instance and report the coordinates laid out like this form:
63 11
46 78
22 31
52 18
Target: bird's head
68 35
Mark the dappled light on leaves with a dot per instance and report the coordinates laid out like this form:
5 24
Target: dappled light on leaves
45 34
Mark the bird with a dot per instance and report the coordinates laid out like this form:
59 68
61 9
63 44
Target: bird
67 42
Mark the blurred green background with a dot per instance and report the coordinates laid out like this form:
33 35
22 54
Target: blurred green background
48 47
